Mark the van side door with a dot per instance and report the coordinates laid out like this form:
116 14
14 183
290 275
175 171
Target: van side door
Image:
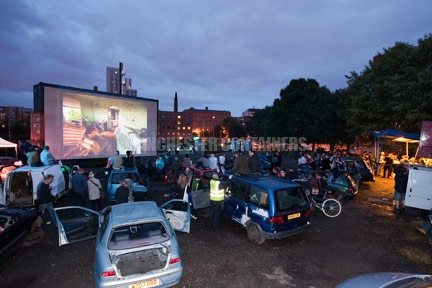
235 206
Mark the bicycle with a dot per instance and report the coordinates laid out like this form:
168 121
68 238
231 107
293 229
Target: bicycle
329 206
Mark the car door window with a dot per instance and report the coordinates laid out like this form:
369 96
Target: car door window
105 222
290 198
258 196
77 223
142 234
238 189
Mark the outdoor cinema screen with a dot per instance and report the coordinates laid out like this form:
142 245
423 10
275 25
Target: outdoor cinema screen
90 124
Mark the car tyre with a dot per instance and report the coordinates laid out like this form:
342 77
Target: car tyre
254 233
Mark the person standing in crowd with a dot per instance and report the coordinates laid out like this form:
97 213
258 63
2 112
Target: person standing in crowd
94 187
187 162
46 157
388 166
315 183
217 197
183 182
44 197
203 162
213 162
355 172
80 187
323 181
222 159
338 168
122 193
401 181
301 160
325 163
160 165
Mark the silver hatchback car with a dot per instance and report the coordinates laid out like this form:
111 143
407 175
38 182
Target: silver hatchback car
136 245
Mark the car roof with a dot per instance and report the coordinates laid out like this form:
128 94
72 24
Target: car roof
134 212
27 168
114 171
271 182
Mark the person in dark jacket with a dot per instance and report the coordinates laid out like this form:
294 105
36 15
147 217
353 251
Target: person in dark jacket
122 193
254 163
44 197
401 181
240 164
80 187
129 161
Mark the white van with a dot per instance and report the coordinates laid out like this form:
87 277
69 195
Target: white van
419 188
20 186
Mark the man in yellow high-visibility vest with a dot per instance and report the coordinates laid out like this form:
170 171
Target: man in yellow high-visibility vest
217 196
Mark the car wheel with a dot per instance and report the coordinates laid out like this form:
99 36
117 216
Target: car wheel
254 233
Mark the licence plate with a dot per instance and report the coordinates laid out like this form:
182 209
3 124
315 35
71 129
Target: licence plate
293 216
149 283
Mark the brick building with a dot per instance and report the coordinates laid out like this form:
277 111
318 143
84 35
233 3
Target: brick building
191 122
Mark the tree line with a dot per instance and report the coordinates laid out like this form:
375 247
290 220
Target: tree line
393 91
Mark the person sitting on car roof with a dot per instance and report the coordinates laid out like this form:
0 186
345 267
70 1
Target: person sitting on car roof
46 157
240 164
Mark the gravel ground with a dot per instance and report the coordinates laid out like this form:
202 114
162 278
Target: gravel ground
367 237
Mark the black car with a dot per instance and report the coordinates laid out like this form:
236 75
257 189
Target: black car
365 170
15 225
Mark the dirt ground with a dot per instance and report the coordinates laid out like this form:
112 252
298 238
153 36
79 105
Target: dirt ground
367 237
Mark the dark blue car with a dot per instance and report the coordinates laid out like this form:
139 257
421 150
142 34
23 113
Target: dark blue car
15 226
267 206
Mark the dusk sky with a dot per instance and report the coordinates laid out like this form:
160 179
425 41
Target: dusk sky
224 55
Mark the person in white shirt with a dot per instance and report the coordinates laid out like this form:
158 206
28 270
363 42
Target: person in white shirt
213 162
222 159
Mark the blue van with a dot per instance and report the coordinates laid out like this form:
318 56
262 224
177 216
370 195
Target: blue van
267 206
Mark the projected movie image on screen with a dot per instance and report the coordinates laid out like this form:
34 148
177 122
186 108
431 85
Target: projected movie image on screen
97 127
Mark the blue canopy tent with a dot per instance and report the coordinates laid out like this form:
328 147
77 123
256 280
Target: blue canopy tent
395 135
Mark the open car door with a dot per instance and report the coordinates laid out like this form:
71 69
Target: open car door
177 212
200 198
76 223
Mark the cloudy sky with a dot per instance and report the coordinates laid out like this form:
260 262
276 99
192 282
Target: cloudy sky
226 55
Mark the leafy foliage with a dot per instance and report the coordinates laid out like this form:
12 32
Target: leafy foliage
393 91
304 109
233 127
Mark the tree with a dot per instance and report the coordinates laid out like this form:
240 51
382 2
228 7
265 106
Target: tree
394 91
233 127
304 109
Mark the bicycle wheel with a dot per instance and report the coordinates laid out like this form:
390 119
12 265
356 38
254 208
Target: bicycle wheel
331 207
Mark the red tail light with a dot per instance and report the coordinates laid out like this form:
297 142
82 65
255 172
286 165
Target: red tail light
175 260
108 274
308 212
277 220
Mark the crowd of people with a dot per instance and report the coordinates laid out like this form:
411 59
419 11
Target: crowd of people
316 166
